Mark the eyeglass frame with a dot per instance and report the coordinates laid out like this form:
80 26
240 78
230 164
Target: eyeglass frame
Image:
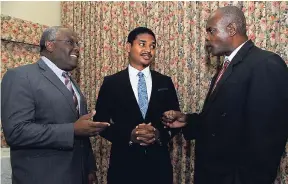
70 42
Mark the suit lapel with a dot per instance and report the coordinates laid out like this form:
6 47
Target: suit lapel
129 94
52 77
224 77
153 94
235 61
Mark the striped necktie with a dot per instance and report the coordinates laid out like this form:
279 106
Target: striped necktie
68 84
225 66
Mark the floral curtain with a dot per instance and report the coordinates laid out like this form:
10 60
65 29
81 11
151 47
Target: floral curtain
180 30
19 45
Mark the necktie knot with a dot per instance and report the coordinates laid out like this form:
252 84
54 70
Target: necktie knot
226 63
66 75
140 75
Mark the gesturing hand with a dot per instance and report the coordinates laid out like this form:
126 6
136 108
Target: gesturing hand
85 127
174 119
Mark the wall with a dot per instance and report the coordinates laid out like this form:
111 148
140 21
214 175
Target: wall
43 12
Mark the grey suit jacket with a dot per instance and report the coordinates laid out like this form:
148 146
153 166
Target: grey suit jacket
38 113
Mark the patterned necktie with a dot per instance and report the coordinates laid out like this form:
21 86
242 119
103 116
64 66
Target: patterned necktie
225 66
142 94
68 84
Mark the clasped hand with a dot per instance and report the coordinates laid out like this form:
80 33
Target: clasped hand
144 134
174 119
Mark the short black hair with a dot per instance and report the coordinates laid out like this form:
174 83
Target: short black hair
139 30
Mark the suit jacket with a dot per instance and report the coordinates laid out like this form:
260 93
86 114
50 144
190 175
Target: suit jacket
117 102
38 113
242 130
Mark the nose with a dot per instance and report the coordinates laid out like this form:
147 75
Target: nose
76 47
206 41
148 49
77 44
207 37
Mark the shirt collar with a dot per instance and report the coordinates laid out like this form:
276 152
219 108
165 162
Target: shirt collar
233 54
134 72
52 66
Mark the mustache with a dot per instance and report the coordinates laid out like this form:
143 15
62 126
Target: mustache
146 54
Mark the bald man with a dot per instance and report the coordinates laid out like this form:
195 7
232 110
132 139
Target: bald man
243 127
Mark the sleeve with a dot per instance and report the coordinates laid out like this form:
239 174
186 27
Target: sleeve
266 120
21 128
115 133
172 104
192 129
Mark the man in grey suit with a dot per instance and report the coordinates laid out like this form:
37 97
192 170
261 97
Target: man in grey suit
45 119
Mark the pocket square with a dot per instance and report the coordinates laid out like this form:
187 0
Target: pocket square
162 89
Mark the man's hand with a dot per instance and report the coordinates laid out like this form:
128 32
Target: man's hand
92 179
174 119
144 134
85 127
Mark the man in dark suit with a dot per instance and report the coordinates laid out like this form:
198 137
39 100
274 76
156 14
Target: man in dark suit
242 130
44 116
133 100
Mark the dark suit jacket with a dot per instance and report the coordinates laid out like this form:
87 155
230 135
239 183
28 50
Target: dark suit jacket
243 128
38 113
117 102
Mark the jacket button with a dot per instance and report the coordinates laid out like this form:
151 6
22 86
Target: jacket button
223 114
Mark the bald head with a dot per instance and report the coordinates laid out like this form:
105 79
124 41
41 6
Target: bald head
233 14
226 30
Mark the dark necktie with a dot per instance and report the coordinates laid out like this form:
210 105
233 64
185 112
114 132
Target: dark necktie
68 84
225 66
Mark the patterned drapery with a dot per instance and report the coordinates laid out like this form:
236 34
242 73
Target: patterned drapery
180 30
19 45
20 40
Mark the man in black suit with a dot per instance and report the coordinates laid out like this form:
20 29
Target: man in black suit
134 100
242 130
45 119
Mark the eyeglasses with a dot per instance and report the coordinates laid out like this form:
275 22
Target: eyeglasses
70 42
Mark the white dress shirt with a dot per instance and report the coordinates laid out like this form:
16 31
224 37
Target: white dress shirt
59 72
134 78
234 52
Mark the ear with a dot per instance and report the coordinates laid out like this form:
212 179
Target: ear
232 29
49 46
128 47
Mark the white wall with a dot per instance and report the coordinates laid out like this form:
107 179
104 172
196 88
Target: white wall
43 12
